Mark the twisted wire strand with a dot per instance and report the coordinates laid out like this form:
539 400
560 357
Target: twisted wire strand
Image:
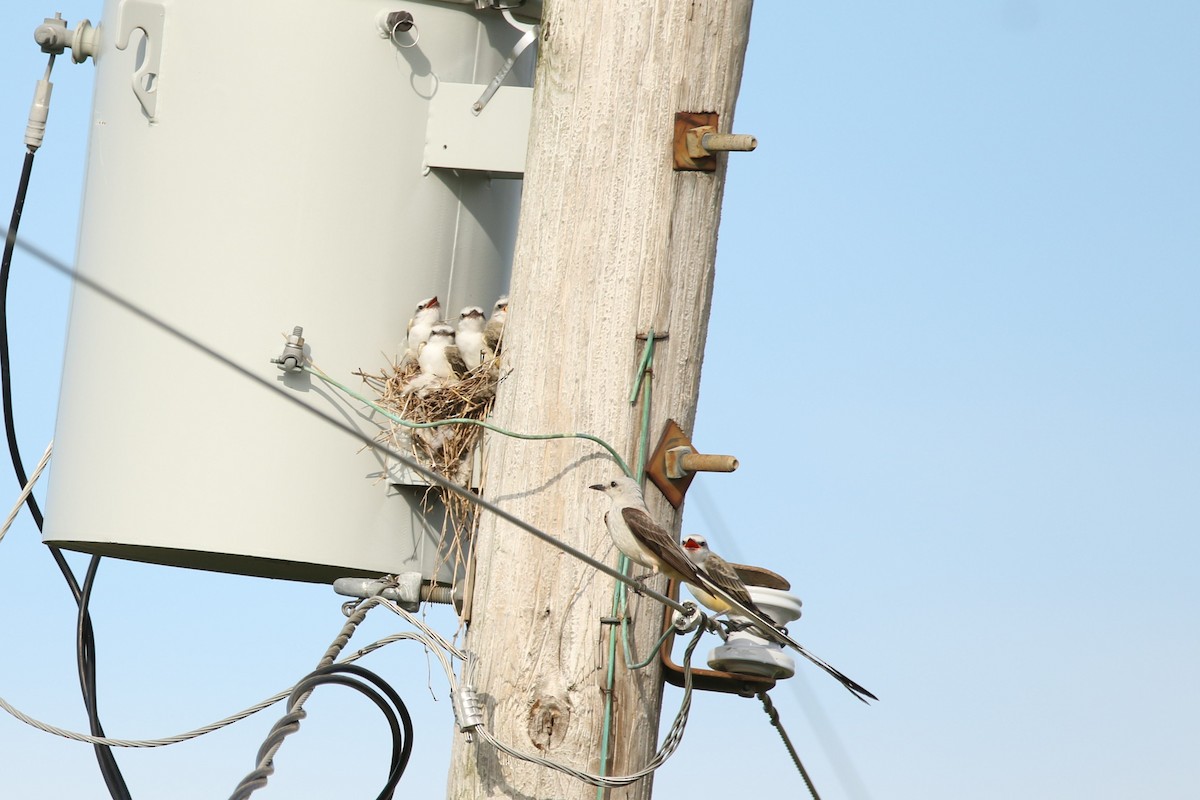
29 484
290 722
769 707
417 623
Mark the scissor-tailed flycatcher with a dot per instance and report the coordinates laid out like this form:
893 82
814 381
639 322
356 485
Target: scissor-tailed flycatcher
719 572
638 536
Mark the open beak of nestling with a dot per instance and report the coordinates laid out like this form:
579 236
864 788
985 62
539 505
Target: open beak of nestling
690 544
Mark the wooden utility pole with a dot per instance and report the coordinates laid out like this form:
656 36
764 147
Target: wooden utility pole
612 242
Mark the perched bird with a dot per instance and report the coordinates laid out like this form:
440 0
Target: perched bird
440 357
427 314
469 336
719 572
493 333
638 536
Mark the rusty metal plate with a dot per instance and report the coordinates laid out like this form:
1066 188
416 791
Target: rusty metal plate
656 468
685 121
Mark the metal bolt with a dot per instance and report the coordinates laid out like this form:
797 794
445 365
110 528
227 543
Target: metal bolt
682 461
724 142
705 140
292 358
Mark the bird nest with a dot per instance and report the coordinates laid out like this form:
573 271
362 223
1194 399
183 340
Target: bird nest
450 449
442 448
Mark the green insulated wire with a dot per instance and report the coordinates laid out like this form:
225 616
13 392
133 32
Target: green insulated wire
619 595
644 382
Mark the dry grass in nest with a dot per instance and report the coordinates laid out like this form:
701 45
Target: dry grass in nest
449 450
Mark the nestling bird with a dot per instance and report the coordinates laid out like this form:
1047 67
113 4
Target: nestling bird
427 314
469 336
719 572
440 357
638 536
493 333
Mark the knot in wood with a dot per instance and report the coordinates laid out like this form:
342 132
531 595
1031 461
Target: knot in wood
548 723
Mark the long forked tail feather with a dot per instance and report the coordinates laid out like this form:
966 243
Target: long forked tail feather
769 630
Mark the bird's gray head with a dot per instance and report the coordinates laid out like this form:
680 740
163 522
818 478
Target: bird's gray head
501 305
470 312
695 545
442 329
428 303
621 488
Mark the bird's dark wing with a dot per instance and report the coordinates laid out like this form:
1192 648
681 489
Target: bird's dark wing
455 359
493 336
723 575
659 542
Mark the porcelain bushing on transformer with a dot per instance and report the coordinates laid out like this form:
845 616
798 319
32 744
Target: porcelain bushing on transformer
748 653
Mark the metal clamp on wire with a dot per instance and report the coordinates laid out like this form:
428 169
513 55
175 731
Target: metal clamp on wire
468 711
688 620
292 357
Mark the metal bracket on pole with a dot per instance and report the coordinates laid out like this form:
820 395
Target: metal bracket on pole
675 462
697 141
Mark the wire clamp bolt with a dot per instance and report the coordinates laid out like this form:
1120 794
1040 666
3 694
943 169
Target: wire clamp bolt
292 357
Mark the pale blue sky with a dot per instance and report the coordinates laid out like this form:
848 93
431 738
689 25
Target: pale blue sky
953 344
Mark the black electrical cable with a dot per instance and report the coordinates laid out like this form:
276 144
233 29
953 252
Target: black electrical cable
399 749
10 243
85 652
85 635
401 708
393 724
